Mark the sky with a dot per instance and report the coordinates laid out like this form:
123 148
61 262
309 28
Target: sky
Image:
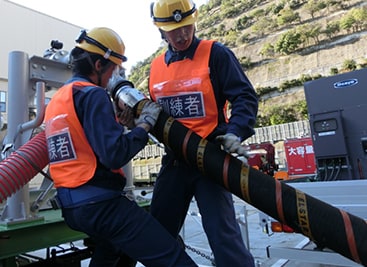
130 19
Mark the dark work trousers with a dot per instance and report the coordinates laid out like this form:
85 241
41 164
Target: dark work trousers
119 226
175 186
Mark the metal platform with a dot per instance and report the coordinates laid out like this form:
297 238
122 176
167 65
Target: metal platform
49 231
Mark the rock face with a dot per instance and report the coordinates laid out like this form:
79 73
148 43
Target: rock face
316 56
321 62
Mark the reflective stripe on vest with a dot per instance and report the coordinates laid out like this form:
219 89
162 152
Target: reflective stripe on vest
184 90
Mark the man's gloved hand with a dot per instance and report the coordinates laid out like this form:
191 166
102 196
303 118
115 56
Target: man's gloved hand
232 144
149 114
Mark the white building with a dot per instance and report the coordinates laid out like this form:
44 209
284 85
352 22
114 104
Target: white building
29 31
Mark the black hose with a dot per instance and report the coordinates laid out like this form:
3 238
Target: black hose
326 225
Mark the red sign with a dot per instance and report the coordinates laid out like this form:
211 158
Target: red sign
300 156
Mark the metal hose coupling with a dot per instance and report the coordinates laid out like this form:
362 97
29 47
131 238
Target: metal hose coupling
123 93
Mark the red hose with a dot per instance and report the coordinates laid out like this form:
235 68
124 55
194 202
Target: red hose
22 165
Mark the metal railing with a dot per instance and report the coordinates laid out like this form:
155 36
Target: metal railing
280 132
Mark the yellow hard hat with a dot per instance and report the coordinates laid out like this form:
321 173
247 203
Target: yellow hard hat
103 41
169 15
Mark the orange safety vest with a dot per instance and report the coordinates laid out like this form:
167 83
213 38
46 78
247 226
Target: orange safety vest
184 90
72 160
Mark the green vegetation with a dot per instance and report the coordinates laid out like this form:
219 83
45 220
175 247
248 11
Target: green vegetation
278 114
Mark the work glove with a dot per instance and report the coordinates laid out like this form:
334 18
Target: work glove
232 144
125 116
149 114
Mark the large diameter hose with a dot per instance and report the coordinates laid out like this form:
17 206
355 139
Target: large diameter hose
326 225
22 165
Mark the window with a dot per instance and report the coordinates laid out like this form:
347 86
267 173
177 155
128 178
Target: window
2 101
47 99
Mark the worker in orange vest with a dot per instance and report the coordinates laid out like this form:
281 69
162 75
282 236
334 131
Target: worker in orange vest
193 81
87 149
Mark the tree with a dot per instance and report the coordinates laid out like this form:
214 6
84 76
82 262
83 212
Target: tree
262 25
332 28
308 31
314 6
288 42
267 50
287 16
243 23
277 8
301 109
282 114
214 3
347 22
230 12
360 17
230 38
314 32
